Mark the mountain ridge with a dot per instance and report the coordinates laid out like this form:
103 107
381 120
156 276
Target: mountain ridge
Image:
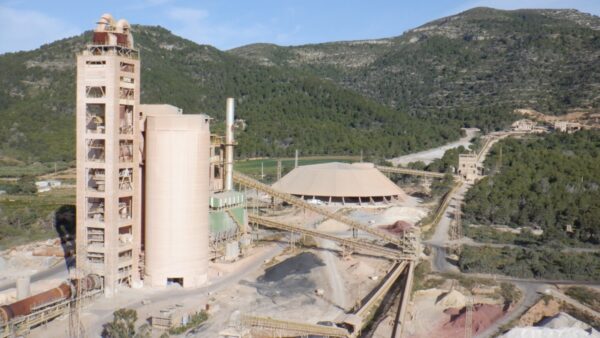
385 97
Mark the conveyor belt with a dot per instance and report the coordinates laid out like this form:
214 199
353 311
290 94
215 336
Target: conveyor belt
294 328
405 244
353 244
406 171
365 311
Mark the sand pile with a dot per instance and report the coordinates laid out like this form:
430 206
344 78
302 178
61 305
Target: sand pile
331 225
563 320
398 227
452 299
544 332
362 269
290 277
483 316
540 310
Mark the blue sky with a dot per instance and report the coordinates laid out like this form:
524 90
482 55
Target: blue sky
225 24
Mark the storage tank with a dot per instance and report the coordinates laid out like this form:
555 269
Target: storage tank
176 195
23 287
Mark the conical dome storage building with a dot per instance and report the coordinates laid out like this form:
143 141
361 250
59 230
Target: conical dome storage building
336 182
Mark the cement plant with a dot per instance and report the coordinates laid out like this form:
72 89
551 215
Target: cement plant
173 239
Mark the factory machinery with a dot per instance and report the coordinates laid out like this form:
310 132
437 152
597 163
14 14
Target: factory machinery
18 318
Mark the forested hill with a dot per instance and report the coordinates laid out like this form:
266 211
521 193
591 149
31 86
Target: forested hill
474 67
386 97
284 109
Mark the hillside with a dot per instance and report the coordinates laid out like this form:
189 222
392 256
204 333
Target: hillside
385 97
284 109
473 67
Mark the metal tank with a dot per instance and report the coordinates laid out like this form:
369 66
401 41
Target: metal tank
176 197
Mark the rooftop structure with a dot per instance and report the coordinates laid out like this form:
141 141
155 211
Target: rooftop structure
340 182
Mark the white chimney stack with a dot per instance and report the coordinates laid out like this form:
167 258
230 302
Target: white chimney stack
229 141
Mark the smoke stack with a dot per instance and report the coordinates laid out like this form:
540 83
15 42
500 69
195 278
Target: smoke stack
229 141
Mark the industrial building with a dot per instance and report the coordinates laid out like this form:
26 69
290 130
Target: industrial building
340 183
154 187
468 167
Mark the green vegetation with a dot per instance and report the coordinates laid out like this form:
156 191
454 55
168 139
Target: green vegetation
509 292
284 109
468 282
252 167
29 217
20 169
195 320
550 181
584 295
402 95
540 263
486 234
474 68
123 326
447 163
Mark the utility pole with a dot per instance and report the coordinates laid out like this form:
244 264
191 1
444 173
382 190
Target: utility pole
296 160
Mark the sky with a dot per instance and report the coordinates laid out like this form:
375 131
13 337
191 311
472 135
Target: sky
226 24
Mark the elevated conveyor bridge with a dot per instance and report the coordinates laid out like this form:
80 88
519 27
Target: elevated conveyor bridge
406 171
406 244
348 243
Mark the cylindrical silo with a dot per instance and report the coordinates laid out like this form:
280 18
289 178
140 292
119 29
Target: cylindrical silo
176 195
23 287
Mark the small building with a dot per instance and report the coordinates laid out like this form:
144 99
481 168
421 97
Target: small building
523 125
468 168
567 127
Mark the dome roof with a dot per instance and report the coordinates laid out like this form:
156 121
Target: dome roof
338 180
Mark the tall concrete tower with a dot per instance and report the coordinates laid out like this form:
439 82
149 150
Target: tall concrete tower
108 156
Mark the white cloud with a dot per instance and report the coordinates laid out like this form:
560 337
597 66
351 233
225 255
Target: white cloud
29 29
197 25
188 16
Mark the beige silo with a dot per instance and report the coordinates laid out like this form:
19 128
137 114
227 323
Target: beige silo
176 200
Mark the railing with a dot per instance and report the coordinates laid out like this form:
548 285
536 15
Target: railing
294 328
406 171
353 244
365 311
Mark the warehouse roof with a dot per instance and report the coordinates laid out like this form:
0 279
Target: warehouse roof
338 180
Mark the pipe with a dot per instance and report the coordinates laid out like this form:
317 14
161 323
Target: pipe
229 141
64 291
24 307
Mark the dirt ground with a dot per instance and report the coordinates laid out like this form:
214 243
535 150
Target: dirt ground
441 313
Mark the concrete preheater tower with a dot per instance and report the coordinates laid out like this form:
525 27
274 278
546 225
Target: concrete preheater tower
108 156
176 200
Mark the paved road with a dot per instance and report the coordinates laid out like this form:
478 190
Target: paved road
530 297
60 271
175 296
429 155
